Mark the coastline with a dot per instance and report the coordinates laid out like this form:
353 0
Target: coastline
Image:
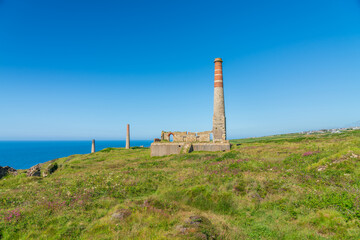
25 154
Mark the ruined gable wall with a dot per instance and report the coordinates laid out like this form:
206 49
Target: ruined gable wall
203 136
179 136
187 136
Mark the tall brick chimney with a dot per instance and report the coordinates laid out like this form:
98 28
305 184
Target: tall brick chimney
219 121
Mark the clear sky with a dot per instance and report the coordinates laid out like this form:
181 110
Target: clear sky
76 69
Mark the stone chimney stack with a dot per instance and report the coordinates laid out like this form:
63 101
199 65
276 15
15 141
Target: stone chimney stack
93 146
128 137
219 121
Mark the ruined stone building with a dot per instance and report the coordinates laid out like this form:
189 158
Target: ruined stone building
215 140
186 136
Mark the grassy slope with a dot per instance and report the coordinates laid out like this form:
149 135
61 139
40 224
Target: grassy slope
264 188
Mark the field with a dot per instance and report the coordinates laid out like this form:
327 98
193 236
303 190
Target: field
280 187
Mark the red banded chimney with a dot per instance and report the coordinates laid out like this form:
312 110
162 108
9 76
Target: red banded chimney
219 121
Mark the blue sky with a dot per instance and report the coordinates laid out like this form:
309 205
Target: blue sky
76 69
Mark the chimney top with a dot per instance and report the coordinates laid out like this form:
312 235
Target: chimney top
218 60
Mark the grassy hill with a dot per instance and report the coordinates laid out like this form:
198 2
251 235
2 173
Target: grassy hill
281 187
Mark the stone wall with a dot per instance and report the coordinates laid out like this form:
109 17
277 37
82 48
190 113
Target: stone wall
187 136
204 136
163 149
211 147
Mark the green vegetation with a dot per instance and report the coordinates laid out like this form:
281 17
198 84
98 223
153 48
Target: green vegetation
281 187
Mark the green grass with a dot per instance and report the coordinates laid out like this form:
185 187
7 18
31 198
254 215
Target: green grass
280 187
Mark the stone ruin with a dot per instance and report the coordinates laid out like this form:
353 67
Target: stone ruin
187 136
184 142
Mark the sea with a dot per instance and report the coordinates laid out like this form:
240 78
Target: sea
25 154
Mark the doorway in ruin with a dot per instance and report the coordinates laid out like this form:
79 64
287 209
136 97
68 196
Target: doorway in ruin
171 137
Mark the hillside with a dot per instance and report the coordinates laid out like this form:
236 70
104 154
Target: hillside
281 187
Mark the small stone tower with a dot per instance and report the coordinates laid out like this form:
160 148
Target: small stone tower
93 146
219 121
128 137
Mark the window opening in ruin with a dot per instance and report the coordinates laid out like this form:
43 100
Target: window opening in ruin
171 137
211 137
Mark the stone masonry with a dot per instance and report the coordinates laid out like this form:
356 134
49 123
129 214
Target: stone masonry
184 142
219 121
127 137
93 146
186 136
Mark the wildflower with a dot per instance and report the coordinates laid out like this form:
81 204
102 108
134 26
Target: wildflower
310 153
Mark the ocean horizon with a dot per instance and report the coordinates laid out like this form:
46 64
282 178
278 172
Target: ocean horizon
25 154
